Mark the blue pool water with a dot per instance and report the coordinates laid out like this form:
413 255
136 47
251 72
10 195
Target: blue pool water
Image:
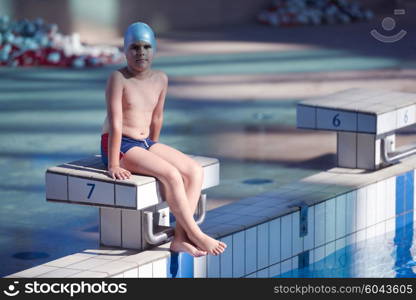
390 255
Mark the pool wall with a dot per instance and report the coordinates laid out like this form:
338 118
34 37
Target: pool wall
270 234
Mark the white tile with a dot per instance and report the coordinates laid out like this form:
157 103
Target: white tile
274 270
381 201
347 149
390 225
371 204
406 116
319 224
226 258
133 273
110 226
329 255
295 262
336 119
213 266
371 232
309 239
121 275
340 213
68 260
200 267
262 246
351 239
386 122
340 243
160 268
251 250
318 253
380 228
366 151
88 264
274 241
56 186
148 195
126 195
89 274
286 234
330 248
305 116
146 271
90 191
211 176
285 266
297 241
361 208
351 212
60 273
263 273
367 123
239 256
391 198
361 235
131 229
330 220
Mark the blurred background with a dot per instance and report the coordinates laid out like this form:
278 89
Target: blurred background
236 70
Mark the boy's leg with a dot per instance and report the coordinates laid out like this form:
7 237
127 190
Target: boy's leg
139 160
192 174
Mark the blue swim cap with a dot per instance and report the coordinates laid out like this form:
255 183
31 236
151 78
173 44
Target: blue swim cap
139 32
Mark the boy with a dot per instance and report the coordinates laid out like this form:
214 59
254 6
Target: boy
135 97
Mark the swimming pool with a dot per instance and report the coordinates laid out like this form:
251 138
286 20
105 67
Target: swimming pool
390 255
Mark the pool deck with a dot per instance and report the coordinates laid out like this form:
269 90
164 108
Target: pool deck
220 223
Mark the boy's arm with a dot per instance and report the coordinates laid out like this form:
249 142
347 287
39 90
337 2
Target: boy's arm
114 93
157 117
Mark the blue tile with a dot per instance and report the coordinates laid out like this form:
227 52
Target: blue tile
263 273
297 241
350 212
409 190
340 221
181 265
274 270
251 250
400 191
239 256
262 246
226 258
213 266
274 241
319 224
329 220
309 239
286 233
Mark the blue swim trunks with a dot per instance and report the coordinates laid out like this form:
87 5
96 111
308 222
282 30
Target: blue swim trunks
126 144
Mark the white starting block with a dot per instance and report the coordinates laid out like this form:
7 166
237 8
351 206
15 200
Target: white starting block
127 207
365 121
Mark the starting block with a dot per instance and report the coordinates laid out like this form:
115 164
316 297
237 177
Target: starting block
133 213
365 121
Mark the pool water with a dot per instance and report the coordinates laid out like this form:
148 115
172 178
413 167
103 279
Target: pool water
390 255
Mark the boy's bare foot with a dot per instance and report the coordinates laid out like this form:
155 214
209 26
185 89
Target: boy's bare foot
207 243
184 245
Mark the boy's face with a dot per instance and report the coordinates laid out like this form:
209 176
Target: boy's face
139 56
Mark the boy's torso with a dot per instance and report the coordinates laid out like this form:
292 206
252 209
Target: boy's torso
140 97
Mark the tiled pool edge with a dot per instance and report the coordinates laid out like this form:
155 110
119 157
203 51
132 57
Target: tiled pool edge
250 227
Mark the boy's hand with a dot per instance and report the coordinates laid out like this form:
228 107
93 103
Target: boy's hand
119 173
